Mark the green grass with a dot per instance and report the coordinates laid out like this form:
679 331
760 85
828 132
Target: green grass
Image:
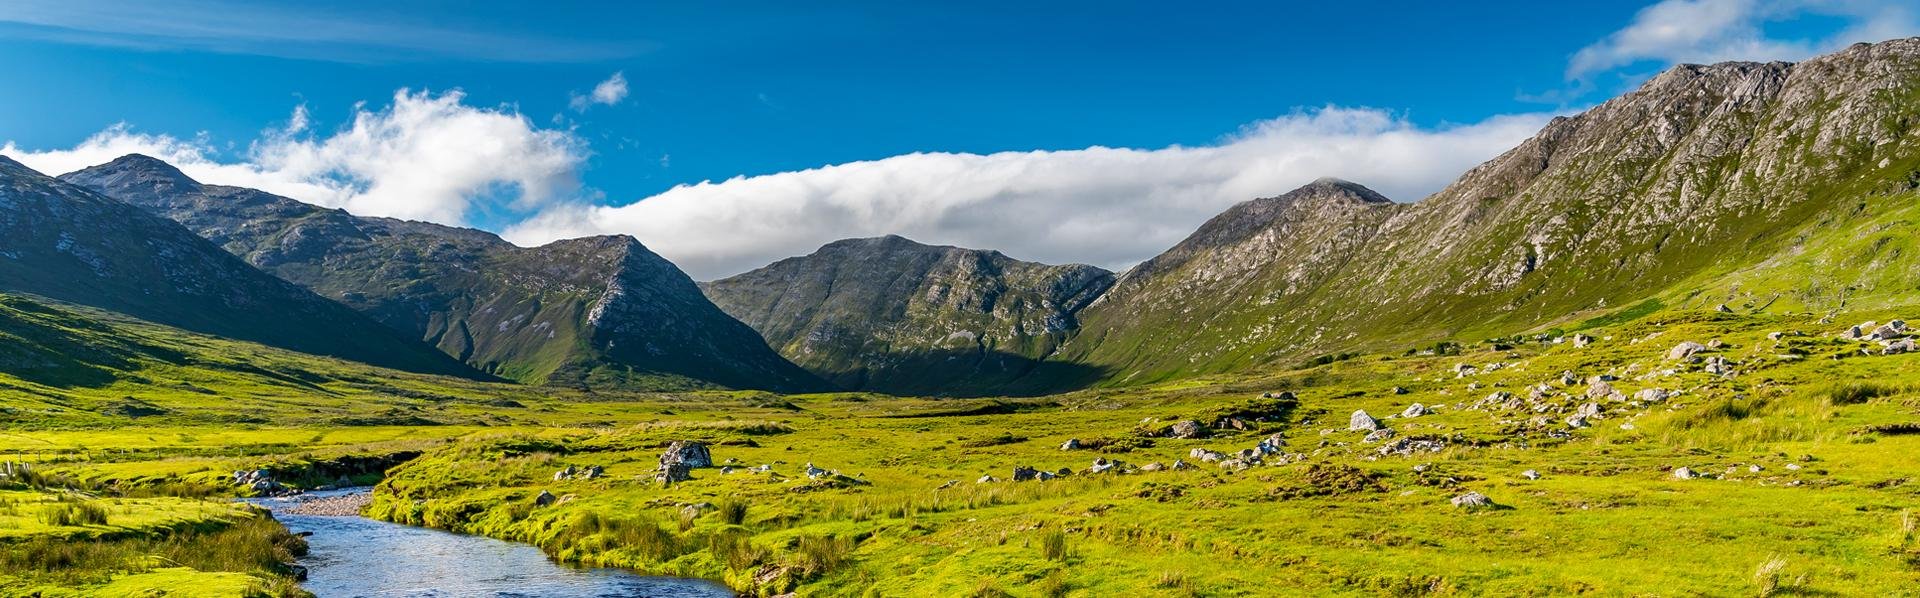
1606 516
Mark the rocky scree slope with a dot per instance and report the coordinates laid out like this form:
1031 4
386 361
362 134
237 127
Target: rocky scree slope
64 242
596 311
890 315
1703 169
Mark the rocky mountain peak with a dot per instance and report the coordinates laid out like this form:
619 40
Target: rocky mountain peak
135 174
1340 188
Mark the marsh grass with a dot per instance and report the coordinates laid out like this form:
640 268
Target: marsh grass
71 511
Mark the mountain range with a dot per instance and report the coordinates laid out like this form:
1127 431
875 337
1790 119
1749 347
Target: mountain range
1741 186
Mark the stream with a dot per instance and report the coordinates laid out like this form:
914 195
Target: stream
356 556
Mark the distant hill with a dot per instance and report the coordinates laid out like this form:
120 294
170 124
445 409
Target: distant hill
599 311
890 315
65 242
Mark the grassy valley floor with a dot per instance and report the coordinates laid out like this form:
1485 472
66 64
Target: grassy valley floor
1800 448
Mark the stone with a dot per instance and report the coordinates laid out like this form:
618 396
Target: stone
1719 366
1415 410
1577 422
1651 395
1188 429
1400 390
1154 466
1072 444
1530 474
591 472
1380 435
1024 473
949 484
544 498
1587 410
1722 308
1685 350
1776 336
673 473
1684 473
1905 345
1472 501
695 510
814 473
1581 340
1601 390
687 452
1463 370
1102 465
986 479
1360 421
1179 465
1568 379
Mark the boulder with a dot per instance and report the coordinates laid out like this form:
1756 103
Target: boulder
1600 390
1568 379
1472 501
673 473
1581 340
1683 473
1188 429
1685 350
1400 390
1154 466
1024 473
1722 308
1179 465
986 479
544 498
1905 345
1360 421
1380 435
591 472
1651 395
1072 444
686 452
1415 410
1530 474
1102 465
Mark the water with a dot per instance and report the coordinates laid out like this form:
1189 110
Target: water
356 556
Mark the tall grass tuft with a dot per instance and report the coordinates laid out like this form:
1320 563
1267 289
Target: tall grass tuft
818 555
1053 545
733 512
1767 577
76 512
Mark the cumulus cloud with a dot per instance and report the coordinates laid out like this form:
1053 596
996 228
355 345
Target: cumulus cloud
424 157
1704 31
1099 205
608 93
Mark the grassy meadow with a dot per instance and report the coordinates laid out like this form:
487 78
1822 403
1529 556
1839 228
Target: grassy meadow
1803 461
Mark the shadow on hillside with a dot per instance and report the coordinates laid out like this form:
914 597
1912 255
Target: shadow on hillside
969 374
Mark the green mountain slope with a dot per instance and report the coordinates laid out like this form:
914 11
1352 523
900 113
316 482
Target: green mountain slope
891 315
1705 177
600 311
65 242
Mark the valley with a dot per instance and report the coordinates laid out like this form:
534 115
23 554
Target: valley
1660 348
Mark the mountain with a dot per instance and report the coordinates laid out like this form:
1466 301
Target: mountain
1767 185
597 311
890 315
61 241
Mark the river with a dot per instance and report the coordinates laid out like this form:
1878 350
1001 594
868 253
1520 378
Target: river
356 556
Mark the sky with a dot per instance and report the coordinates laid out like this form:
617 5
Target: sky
728 135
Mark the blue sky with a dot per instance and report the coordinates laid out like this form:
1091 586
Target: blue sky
714 91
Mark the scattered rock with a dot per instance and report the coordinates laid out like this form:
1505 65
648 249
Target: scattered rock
687 452
1722 308
544 498
1180 465
1360 421
1905 345
1416 410
1581 340
1154 466
673 473
1380 435
1719 366
1685 350
1530 474
1684 473
1652 395
986 479
1400 390
1187 429
1072 444
1472 501
1024 473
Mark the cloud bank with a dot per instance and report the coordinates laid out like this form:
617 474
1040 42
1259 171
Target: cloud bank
1705 31
424 157
1104 206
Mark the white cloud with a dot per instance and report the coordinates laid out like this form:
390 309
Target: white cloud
1100 205
1705 31
425 157
608 93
